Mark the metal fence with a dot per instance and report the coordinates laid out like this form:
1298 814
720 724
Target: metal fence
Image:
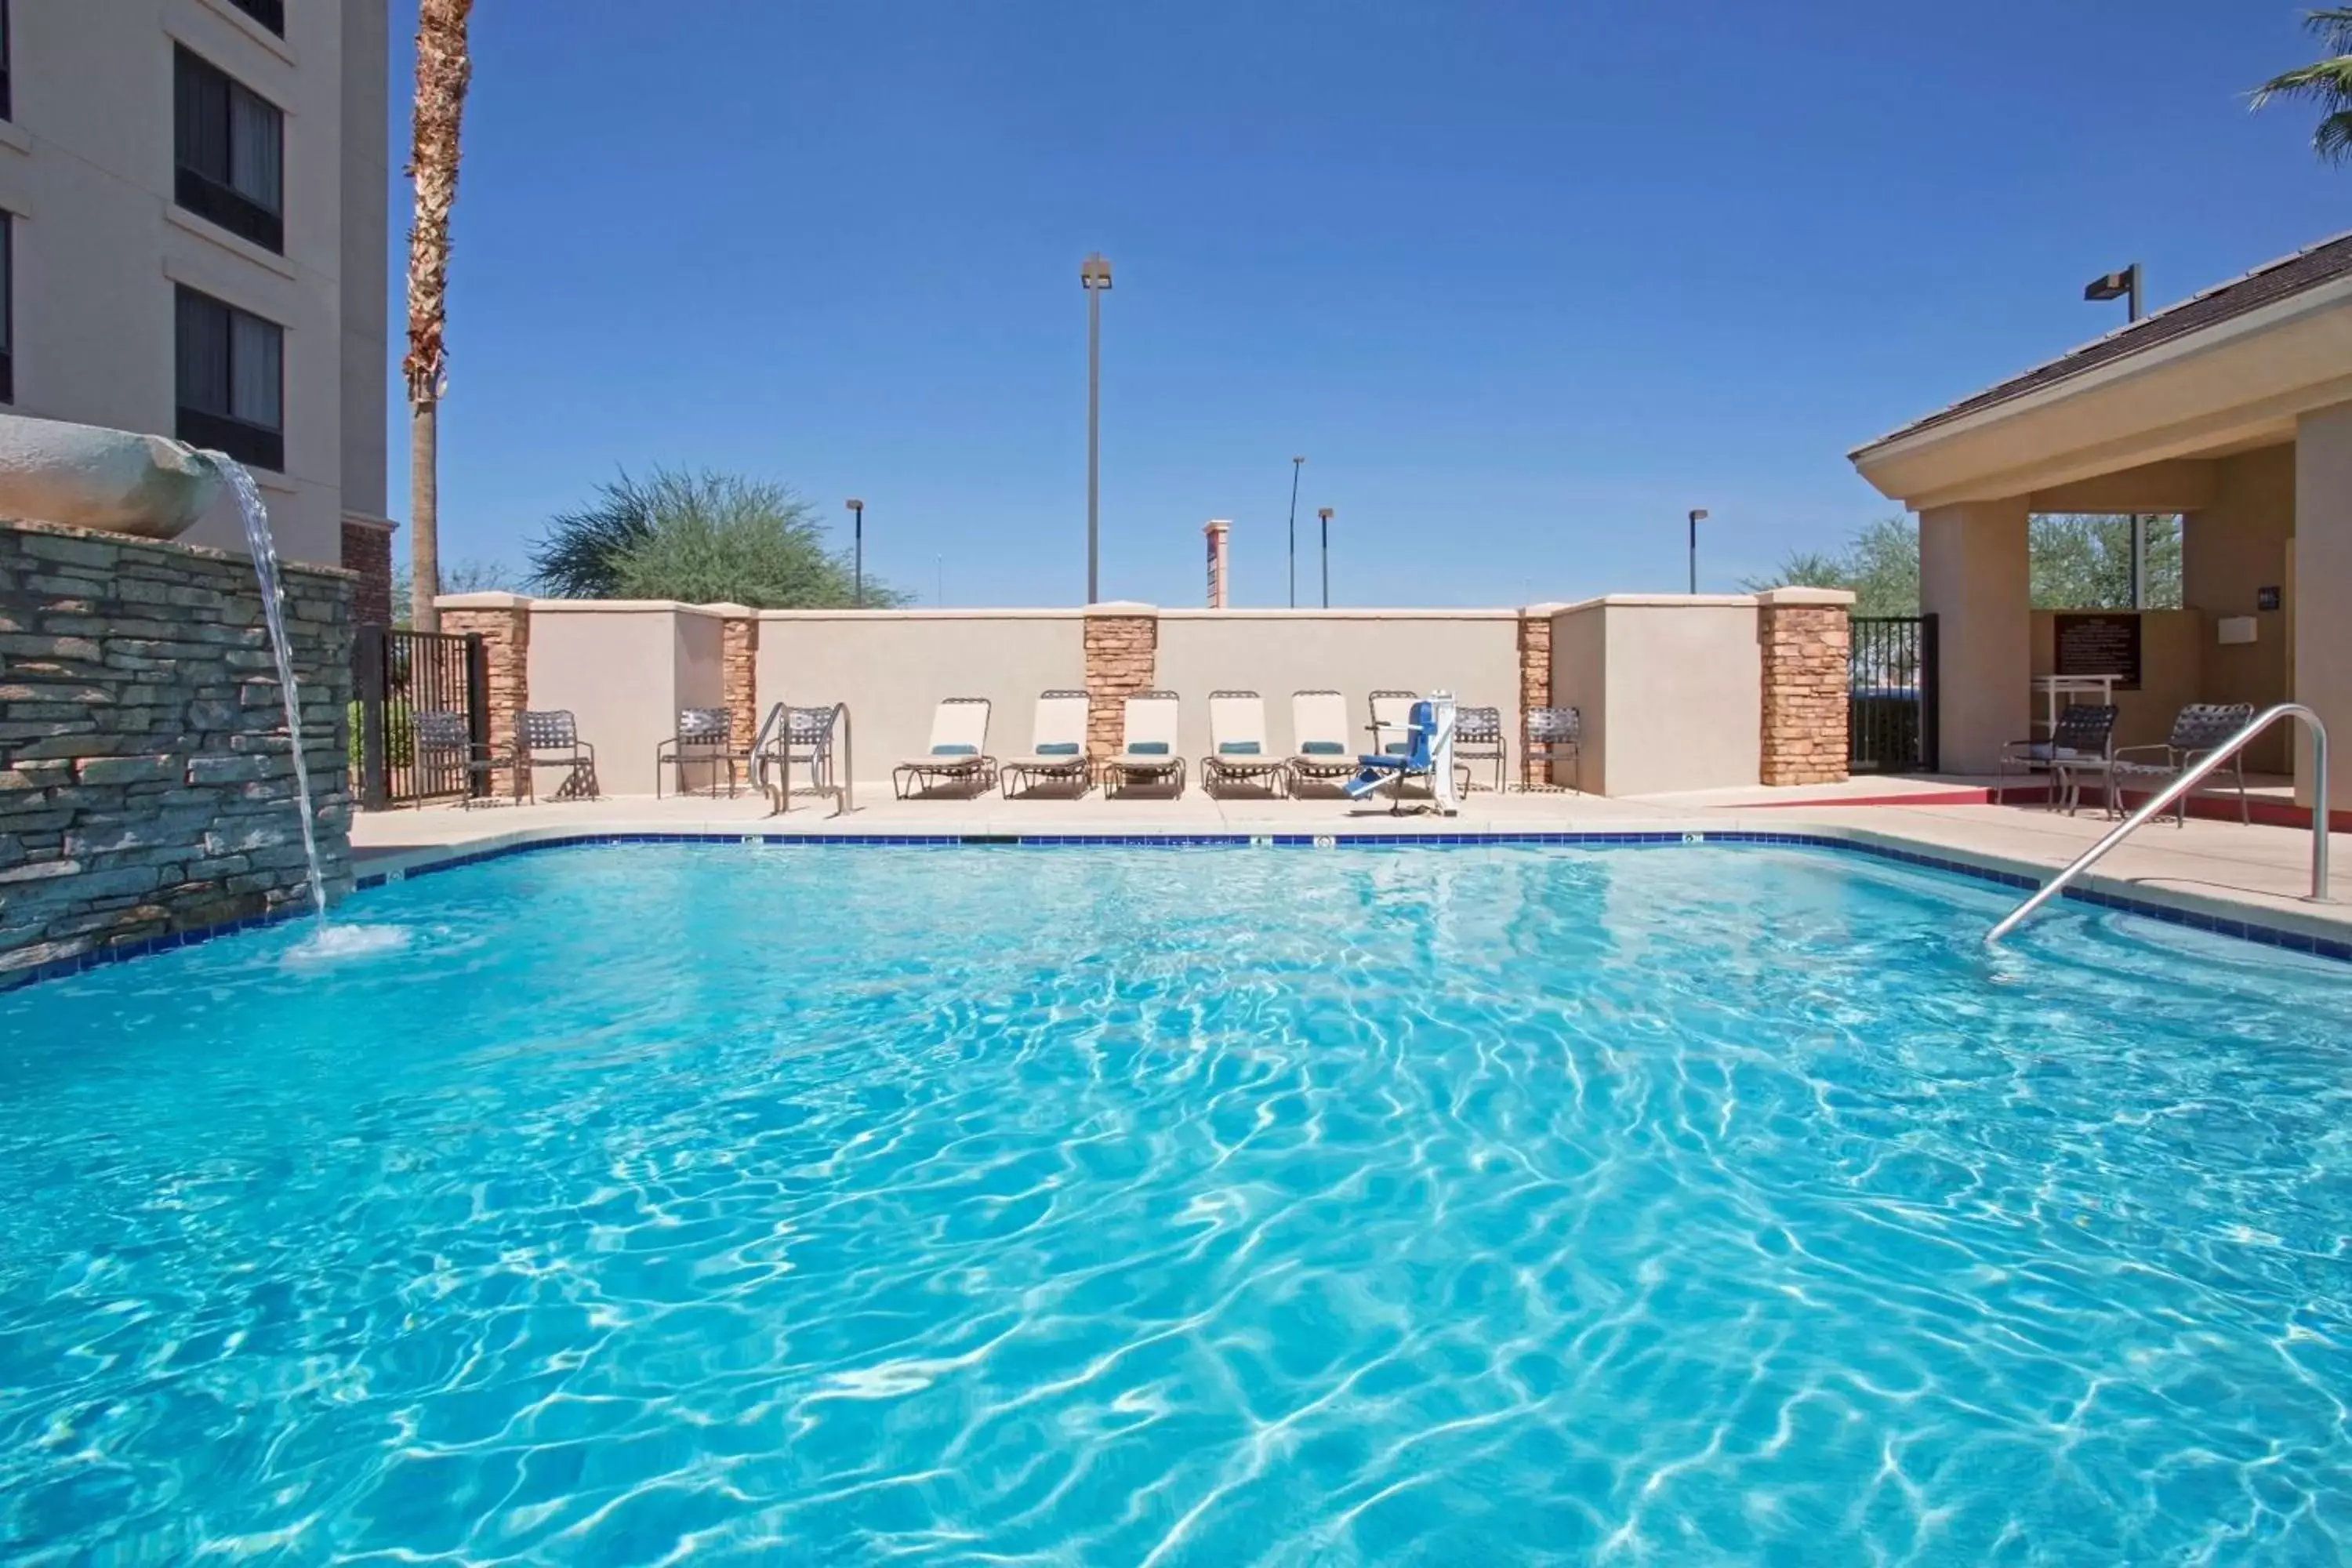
397 675
1891 718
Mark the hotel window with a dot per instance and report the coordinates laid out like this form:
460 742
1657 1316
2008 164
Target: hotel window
8 307
232 380
230 152
270 13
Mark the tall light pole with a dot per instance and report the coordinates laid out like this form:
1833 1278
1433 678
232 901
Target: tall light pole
1094 277
1697 516
1323 514
1296 464
2126 286
858 532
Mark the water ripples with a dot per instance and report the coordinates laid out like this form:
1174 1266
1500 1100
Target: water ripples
1409 1206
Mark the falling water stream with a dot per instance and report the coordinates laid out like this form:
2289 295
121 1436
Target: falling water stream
273 606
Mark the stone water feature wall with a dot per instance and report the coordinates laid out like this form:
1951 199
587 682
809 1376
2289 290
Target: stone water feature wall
146 785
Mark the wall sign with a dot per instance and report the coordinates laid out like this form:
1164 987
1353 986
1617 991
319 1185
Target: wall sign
2099 645
2266 598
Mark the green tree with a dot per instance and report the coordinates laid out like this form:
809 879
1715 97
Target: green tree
2075 562
2326 81
700 538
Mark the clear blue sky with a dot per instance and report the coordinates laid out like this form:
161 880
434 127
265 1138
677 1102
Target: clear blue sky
1524 281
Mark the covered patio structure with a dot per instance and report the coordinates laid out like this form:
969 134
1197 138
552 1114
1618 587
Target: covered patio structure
2232 409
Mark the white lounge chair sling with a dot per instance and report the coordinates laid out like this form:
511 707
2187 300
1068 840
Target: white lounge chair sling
1147 752
1318 732
1057 746
957 751
1238 753
1391 723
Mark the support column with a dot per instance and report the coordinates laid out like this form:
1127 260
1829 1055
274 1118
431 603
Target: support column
1122 658
2322 586
1535 680
1803 636
1973 575
503 622
1219 533
738 661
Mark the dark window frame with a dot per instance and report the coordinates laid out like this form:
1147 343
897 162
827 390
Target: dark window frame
7 304
270 13
209 194
256 446
7 58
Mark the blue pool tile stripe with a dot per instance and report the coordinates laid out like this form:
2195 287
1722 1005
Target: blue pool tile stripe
2234 926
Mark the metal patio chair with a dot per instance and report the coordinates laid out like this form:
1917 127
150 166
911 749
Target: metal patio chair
445 743
2198 731
790 735
702 740
1553 736
2083 743
550 738
1478 737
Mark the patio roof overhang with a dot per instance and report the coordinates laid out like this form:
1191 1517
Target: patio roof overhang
2129 422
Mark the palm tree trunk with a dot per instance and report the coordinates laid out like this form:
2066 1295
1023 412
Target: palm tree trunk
444 68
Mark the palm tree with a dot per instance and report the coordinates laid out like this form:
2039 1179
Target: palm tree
443 70
2328 80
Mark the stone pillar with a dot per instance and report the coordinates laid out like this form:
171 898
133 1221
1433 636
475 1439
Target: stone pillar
367 555
1219 531
1803 634
1123 655
503 622
738 661
2322 667
1973 577
1535 680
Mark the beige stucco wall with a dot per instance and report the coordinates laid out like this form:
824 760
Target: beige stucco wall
86 172
2172 650
2323 587
2230 548
1580 672
1670 689
892 667
1973 576
624 669
1472 653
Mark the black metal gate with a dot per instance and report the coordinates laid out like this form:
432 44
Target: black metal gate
1891 720
398 675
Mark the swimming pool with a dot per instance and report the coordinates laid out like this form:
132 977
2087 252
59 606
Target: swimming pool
1407 1205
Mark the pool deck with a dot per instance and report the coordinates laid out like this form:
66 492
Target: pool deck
2211 871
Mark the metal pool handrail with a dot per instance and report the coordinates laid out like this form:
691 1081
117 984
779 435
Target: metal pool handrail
780 796
2182 786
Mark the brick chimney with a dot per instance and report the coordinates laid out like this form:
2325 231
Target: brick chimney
1217 528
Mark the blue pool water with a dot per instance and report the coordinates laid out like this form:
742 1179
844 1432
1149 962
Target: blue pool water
1686 1205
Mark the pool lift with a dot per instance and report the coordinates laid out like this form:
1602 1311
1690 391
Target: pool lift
1428 752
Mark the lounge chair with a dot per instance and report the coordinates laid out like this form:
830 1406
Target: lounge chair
2198 731
550 738
1391 724
444 744
1057 746
1554 735
1238 753
2083 743
958 752
1147 752
702 740
1318 734
1478 737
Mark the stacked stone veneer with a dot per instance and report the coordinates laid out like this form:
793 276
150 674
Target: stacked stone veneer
1535 680
1122 659
1803 636
739 674
503 622
146 781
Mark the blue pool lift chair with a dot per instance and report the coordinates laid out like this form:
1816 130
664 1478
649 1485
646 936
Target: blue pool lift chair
1428 753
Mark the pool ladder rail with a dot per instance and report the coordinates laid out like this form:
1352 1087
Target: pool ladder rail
772 746
2188 781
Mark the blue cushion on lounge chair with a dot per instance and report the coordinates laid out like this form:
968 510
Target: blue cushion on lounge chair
1147 749
957 751
1237 748
1323 749
1058 749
